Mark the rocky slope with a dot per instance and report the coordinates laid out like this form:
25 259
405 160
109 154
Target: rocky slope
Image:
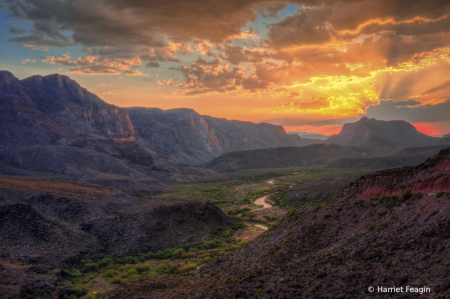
324 253
284 157
194 139
431 176
384 136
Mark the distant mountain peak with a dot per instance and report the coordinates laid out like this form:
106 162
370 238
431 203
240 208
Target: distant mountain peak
380 134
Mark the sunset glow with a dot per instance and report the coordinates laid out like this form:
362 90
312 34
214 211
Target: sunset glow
310 66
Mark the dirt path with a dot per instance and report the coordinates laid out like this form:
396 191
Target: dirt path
262 201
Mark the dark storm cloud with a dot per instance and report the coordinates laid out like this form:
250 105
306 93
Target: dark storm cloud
14 30
152 64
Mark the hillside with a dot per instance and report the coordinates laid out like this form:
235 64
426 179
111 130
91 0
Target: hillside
446 136
431 176
51 225
284 157
384 136
194 139
324 253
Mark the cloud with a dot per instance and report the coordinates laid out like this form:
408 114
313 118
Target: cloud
134 73
62 59
95 70
390 110
152 64
14 30
28 61
164 82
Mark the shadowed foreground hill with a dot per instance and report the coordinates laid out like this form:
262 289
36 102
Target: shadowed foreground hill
284 157
324 253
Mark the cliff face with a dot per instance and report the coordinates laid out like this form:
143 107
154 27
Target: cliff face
385 136
431 176
194 139
54 108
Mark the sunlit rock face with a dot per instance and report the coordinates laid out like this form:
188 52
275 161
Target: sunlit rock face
54 108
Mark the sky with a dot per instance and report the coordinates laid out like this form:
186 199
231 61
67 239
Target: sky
308 65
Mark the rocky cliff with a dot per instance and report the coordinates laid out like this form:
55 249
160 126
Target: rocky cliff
194 139
384 136
431 176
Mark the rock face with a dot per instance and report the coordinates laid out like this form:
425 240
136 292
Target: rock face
384 136
194 139
446 136
431 176
284 157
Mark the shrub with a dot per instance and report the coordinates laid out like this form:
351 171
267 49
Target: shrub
434 212
165 268
178 254
314 216
440 194
360 201
110 273
90 267
448 221
186 268
143 268
90 296
353 238
394 197
418 194
105 262
317 208
99 295
124 268
132 272
327 215
406 195
291 212
447 193
382 226
371 226
115 280
75 274
380 213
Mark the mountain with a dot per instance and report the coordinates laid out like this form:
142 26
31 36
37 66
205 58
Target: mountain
284 157
310 135
384 136
52 126
446 136
431 176
194 139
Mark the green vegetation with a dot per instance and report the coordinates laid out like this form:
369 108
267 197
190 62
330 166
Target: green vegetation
434 212
382 226
353 237
440 194
407 195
